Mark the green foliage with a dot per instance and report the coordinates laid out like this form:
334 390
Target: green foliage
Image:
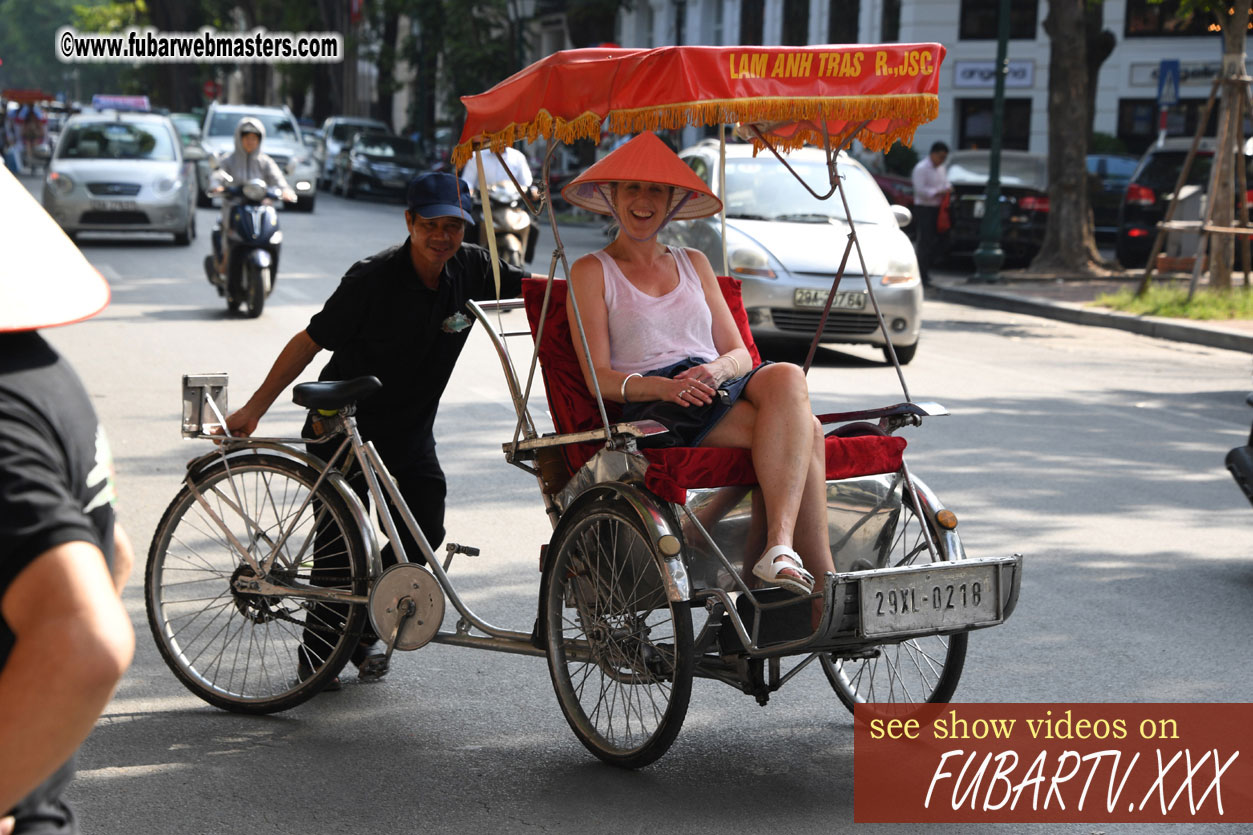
1172 301
901 159
1104 143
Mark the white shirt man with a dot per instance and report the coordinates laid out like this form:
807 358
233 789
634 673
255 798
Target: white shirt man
495 172
930 186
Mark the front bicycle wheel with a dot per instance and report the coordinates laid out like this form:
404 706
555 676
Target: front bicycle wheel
241 650
619 651
902 676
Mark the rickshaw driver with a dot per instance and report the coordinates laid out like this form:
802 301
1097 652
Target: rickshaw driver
398 315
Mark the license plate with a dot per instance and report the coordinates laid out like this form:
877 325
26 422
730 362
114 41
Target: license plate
939 599
977 209
113 205
805 297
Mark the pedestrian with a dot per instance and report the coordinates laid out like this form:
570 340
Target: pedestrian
65 637
400 316
930 187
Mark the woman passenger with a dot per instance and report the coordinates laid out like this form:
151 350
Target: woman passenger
663 342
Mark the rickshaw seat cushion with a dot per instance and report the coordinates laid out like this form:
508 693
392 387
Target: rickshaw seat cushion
674 470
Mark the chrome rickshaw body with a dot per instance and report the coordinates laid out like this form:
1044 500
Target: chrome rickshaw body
641 588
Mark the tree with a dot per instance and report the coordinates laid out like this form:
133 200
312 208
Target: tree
1069 238
1233 17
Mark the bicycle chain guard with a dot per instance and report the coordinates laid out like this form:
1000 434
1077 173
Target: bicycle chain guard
387 606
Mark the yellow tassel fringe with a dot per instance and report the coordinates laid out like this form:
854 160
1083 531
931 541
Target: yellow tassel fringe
906 111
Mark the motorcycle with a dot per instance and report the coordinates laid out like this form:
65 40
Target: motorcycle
511 222
255 238
1240 463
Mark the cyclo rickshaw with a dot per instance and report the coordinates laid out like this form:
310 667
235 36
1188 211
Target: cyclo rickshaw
266 551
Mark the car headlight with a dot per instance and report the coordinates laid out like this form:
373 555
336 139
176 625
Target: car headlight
900 272
750 260
60 183
165 185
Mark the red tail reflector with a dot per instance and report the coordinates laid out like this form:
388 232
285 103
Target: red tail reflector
1033 204
1140 195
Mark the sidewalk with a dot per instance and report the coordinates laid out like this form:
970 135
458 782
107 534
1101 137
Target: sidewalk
1069 300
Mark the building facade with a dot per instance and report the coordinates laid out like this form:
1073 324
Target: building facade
1126 97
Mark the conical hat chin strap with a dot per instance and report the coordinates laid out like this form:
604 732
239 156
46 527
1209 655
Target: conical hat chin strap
600 188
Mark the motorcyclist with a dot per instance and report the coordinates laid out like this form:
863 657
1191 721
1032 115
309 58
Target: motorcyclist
245 163
495 174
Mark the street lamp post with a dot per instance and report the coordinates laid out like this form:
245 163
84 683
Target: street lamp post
989 257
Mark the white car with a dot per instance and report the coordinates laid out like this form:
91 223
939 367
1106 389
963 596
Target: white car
121 172
284 143
785 245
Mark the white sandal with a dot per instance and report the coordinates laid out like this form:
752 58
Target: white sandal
781 558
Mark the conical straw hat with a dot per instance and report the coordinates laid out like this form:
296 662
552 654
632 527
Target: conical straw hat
644 159
44 279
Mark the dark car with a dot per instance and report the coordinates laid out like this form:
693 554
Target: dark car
1151 189
900 192
1108 176
375 163
1024 201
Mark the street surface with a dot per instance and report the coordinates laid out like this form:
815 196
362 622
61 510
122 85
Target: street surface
1096 453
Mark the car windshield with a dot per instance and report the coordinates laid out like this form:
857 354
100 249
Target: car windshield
343 131
762 189
1015 171
1113 168
116 140
384 146
276 125
1161 170
186 125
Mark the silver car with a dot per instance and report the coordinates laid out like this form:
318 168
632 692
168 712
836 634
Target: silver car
121 172
785 245
284 143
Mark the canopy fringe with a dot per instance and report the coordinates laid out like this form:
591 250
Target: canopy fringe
903 114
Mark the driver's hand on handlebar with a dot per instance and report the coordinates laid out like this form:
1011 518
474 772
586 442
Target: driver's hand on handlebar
241 423
289 195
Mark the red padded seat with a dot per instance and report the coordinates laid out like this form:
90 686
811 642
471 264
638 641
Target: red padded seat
672 471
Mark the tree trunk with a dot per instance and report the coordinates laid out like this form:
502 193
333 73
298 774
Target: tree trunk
1069 242
1222 191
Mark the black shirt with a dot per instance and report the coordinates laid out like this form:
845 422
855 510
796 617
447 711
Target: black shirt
56 484
383 320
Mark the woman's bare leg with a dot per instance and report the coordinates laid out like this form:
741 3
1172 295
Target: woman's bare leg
775 422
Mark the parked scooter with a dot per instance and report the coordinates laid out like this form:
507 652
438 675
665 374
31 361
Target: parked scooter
254 238
511 222
1240 462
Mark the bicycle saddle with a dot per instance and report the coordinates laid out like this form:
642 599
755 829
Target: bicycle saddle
334 394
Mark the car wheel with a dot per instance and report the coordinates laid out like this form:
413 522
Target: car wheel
1130 256
904 353
185 237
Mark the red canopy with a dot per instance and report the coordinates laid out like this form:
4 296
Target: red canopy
789 92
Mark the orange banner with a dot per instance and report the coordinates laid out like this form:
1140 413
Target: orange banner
795 94
1045 763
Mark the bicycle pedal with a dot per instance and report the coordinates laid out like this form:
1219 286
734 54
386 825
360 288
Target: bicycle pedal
373 668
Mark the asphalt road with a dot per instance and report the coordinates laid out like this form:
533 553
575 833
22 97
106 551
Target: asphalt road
1097 454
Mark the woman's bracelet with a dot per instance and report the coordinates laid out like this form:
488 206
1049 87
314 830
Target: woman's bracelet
626 380
735 361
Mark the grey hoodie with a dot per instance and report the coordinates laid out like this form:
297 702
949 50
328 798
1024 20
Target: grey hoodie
243 166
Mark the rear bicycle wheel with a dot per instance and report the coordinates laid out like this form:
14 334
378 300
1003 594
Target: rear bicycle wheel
907 675
619 651
242 651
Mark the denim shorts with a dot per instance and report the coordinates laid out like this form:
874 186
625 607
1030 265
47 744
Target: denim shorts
688 425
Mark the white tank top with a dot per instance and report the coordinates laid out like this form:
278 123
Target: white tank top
648 332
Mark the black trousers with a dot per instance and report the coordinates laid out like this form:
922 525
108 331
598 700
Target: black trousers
420 481
925 218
